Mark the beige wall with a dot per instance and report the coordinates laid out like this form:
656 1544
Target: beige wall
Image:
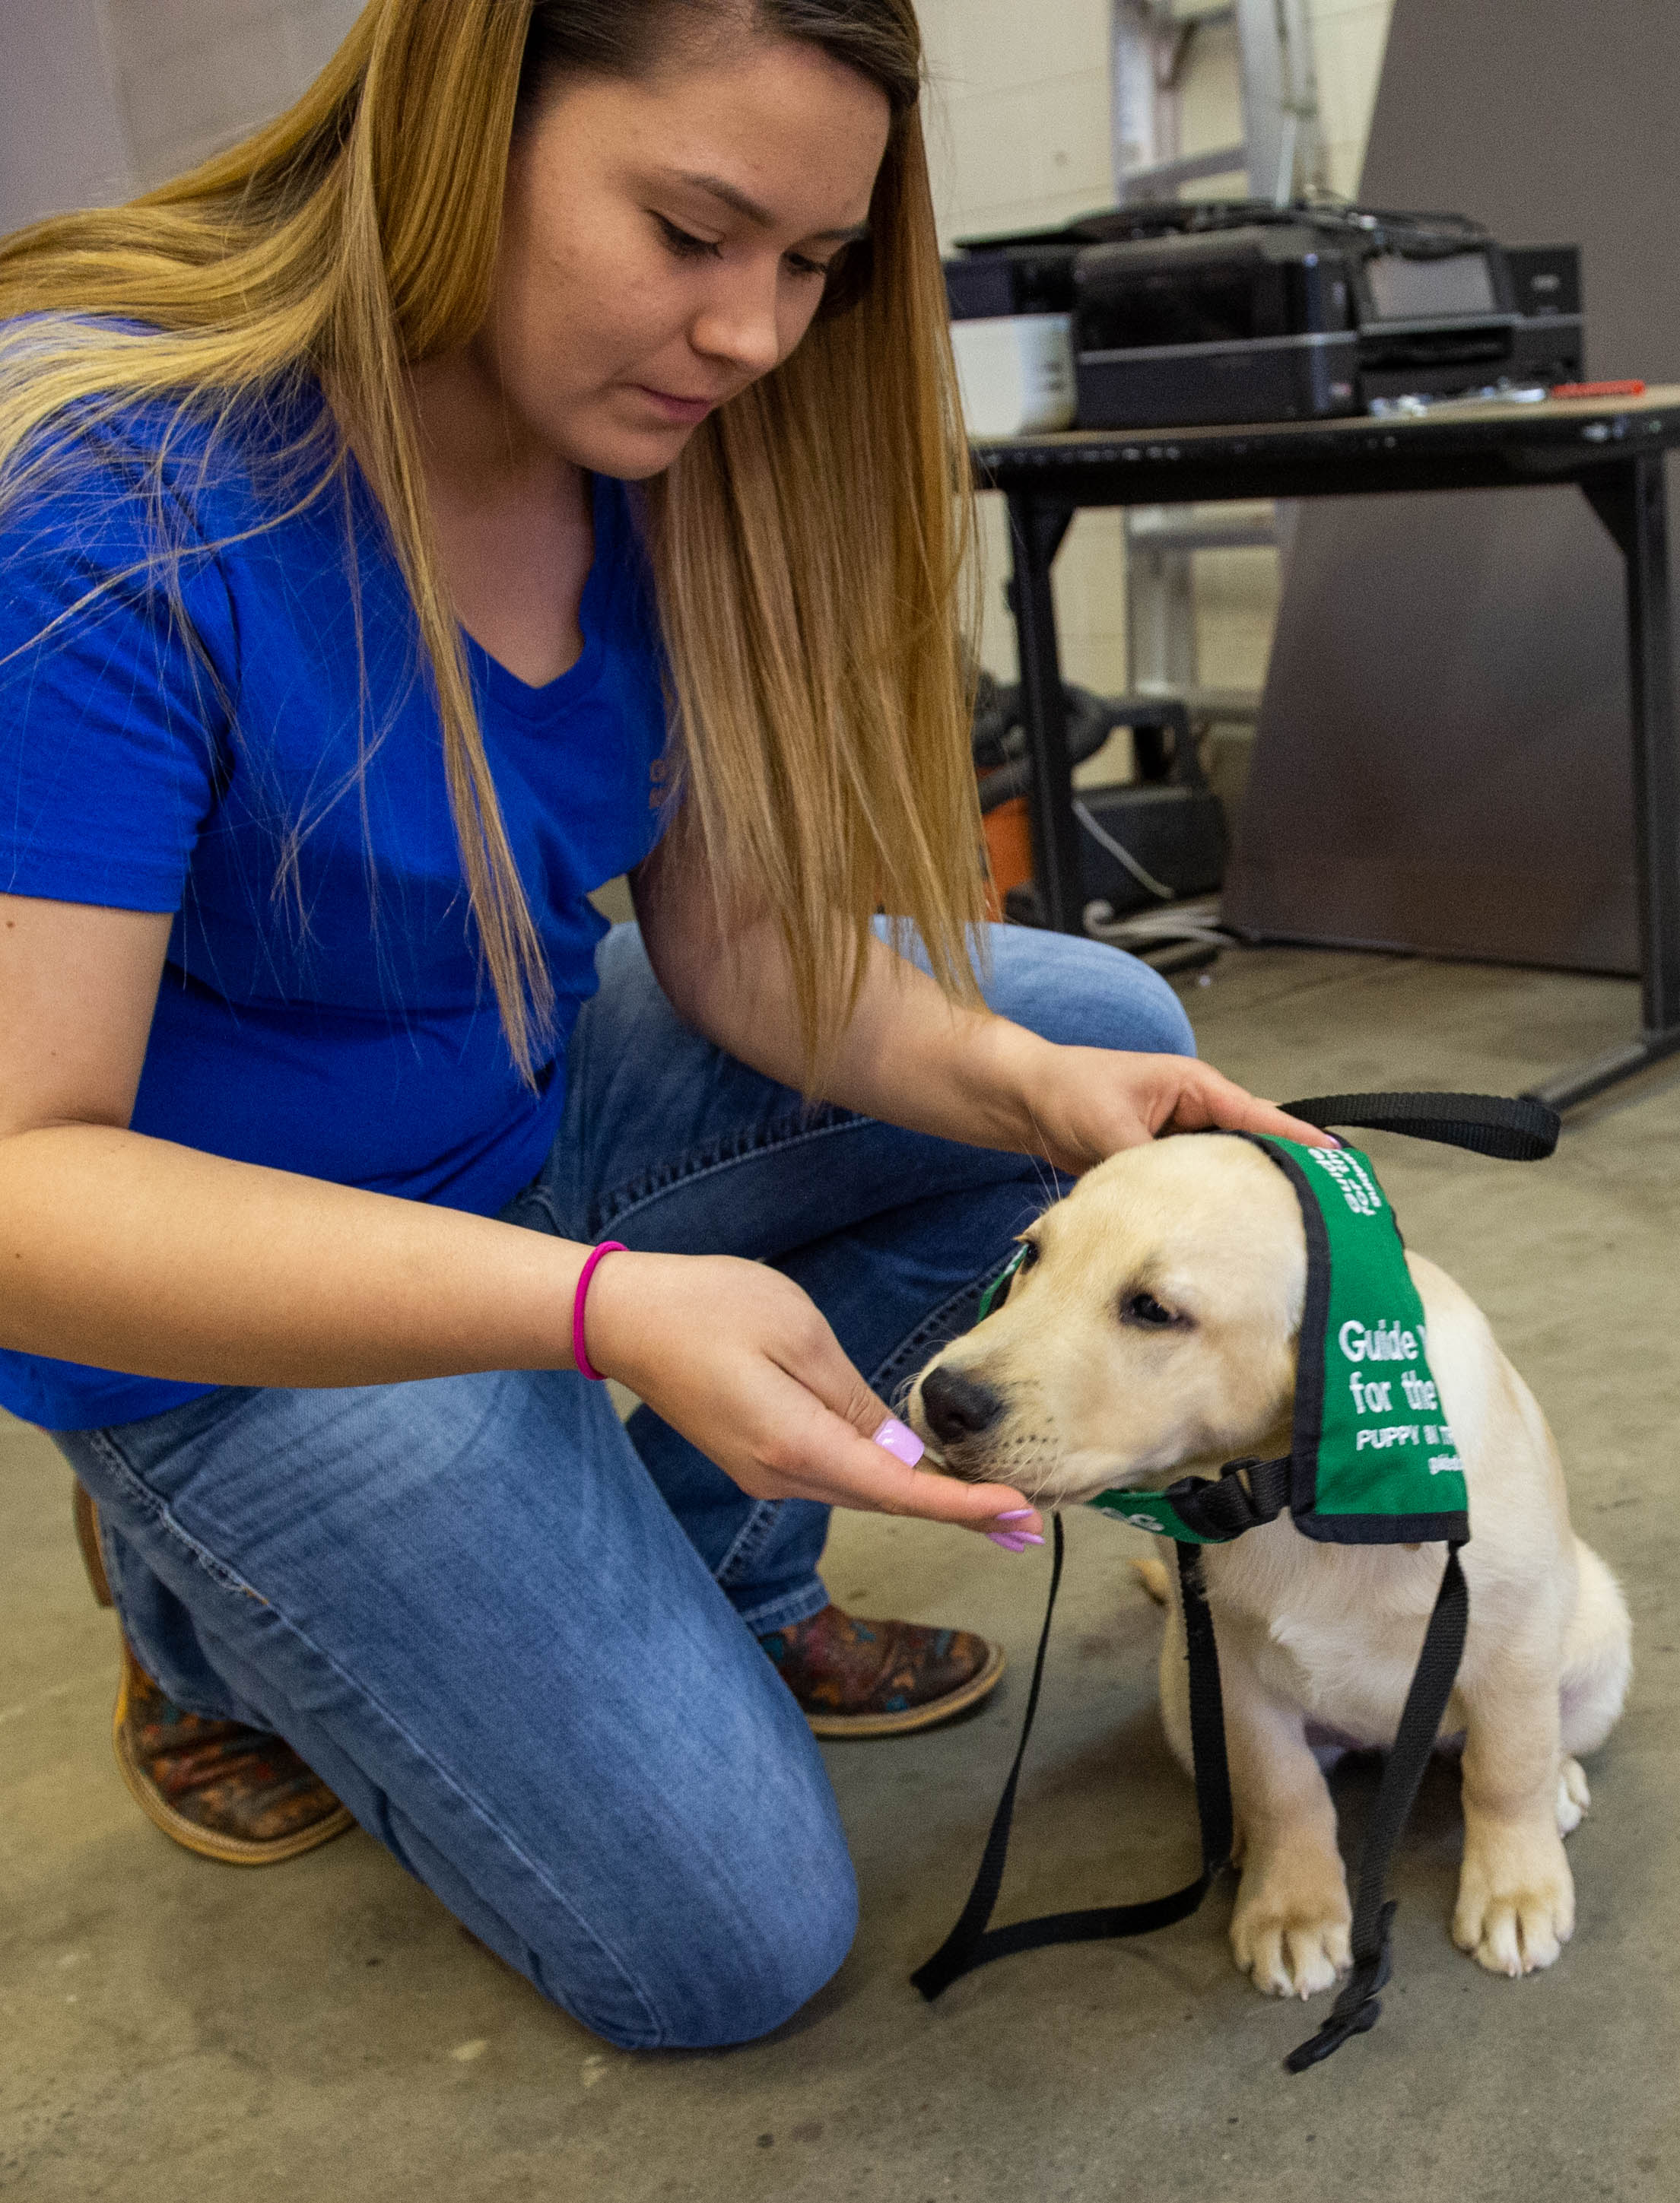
192 75
1018 136
99 97
1021 125
62 139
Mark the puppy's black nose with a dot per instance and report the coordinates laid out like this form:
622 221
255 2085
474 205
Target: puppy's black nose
958 1406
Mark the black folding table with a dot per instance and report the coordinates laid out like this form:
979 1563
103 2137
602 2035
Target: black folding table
1612 449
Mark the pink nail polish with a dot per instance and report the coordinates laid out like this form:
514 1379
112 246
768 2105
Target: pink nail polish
1014 1515
1009 1542
899 1441
1029 1537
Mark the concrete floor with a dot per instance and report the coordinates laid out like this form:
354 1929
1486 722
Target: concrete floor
173 2030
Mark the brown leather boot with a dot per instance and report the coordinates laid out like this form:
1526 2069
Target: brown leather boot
856 1678
220 1789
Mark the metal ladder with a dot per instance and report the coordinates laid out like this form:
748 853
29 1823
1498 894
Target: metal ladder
1282 154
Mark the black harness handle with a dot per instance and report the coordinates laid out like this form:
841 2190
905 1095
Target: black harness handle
1511 1129
1246 1494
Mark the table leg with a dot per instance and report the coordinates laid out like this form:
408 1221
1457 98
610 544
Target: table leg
1036 531
1632 501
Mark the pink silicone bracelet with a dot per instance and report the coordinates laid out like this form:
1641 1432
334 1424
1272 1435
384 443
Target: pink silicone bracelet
580 1353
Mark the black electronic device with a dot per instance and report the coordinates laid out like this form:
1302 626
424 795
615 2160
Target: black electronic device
1248 324
1030 278
1142 842
1239 311
1446 324
1547 279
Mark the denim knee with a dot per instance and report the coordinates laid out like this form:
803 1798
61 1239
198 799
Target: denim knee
695 1957
742 1901
1084 994
754 1953
754 1993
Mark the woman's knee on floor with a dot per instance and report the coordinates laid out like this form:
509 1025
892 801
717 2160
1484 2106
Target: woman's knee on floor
675 1946
724 1949
700 1894
1084 994
749 1965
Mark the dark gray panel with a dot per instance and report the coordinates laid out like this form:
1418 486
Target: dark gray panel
1442 761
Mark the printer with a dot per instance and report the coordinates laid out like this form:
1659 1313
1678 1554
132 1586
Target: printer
1183 313
1012 323
1249 324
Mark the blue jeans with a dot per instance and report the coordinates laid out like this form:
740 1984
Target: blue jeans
516 1636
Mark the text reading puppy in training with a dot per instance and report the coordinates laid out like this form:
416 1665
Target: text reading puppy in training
1151 1333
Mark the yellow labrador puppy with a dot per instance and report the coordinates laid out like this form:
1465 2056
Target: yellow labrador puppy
1153 1334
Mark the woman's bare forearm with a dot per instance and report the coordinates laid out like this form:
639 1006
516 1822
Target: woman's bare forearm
912 1057
909 1056
137 1254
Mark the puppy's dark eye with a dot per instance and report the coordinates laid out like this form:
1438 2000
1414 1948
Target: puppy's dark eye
1029 1255
1146 1311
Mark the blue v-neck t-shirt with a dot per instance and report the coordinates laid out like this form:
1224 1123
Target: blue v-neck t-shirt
243 733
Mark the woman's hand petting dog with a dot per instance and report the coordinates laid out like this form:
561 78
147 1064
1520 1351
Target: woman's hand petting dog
1088 1103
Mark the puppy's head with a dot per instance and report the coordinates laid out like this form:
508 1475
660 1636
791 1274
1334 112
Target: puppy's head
1151 1331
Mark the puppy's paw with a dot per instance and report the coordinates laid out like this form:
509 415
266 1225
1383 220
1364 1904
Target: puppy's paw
1516 1907
1292 1941
1574 1798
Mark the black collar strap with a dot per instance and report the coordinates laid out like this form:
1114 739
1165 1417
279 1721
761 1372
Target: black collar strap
1246 1494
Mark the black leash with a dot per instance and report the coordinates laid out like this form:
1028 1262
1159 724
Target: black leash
1360 2007
1245 1495
972 1942
1223 1511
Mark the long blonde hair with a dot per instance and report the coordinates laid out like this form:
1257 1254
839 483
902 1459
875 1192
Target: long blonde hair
809 547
